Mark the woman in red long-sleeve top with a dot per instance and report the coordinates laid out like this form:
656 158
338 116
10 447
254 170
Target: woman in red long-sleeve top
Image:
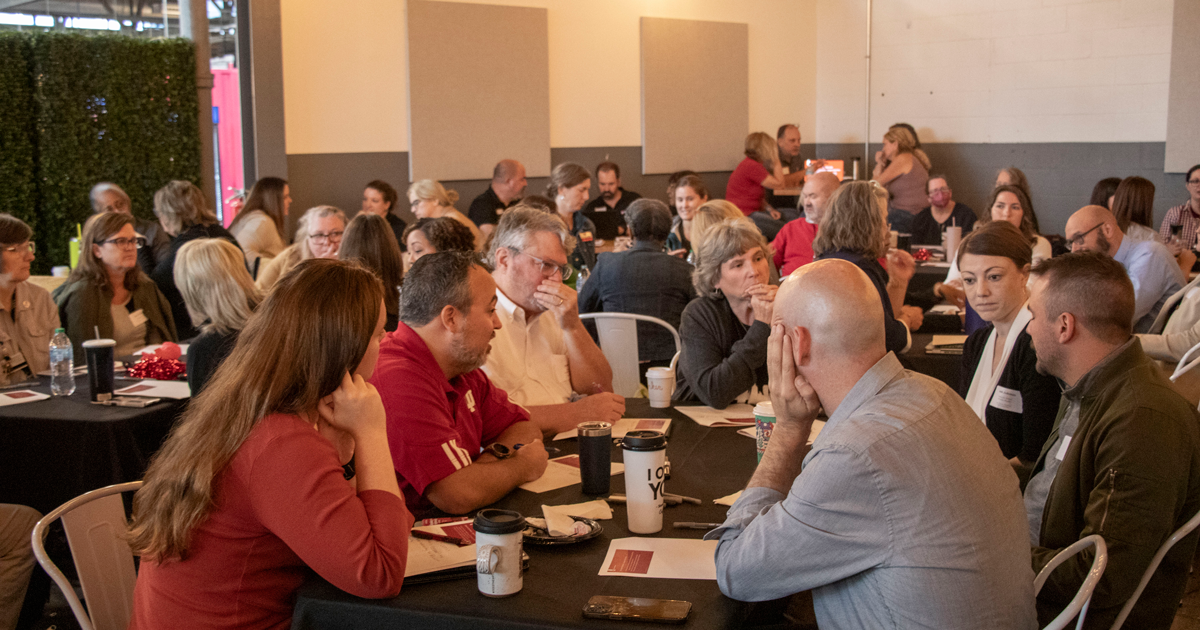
250 489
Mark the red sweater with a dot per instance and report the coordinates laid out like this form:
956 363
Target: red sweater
793 245
744 189
281 505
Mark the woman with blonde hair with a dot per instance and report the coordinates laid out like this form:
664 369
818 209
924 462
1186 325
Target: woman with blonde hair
725 329
712 213
318 235
212 277
280 466
107 290
758 170
854 228
903 168
184 214
430 199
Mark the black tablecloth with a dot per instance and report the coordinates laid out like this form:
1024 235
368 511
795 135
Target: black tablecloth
57 449
705 463
944 367
920 287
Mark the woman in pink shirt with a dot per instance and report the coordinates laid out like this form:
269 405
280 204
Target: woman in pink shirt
279 466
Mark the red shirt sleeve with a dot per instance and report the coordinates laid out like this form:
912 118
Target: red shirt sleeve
426 445
358 542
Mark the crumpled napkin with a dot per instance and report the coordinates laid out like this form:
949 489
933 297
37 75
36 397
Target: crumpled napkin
560 523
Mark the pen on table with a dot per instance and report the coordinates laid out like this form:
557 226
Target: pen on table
692 500
425 522
21 384
691 525
439 537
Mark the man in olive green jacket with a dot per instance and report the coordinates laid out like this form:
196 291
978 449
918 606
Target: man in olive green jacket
1123 460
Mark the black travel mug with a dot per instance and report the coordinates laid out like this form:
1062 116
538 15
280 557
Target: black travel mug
595 456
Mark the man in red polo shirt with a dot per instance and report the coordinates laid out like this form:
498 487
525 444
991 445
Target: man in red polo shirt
793 244
441 408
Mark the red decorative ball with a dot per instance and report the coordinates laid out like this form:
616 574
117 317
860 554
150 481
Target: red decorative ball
158 368
922 255
169 350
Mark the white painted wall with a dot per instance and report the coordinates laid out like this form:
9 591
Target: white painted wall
997 71
345 69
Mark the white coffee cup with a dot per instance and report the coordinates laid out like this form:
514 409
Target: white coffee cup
660 384
60 272
953 237
498 551
645 454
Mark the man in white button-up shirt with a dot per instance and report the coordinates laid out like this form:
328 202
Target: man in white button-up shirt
542 355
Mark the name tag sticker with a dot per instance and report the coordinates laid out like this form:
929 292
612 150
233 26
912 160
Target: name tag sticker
585 236
1062 450
138 318
1007 399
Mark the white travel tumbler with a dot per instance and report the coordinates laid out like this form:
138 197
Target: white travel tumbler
498 550
645 455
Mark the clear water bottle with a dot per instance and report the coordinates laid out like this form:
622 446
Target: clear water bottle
62 364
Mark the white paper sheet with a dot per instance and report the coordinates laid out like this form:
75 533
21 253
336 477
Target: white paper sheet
731 416
151 388
560 473
427 556
945 309
20 396
671 558
625 425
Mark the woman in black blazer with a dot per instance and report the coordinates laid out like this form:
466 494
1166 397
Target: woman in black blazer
999 376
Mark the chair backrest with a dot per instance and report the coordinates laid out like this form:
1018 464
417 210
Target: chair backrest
1184 365
1179 535
619 342
1079 604
95 525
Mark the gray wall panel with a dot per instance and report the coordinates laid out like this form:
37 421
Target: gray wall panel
1183 125
1062 174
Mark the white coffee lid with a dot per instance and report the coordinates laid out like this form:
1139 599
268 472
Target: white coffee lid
99 343
659 372
764 409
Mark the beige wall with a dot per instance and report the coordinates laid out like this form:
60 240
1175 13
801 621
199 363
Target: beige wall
345 70
997 72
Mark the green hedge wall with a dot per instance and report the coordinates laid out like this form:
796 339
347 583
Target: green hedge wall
105 108
18 129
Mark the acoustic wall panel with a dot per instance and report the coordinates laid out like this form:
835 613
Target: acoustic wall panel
695 95
1183 125
478 89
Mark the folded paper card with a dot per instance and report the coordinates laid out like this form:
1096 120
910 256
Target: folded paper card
20 396
625 425
731 416
558 517
157 389
672 558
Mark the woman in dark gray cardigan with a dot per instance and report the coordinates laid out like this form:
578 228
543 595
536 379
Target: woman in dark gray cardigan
725 330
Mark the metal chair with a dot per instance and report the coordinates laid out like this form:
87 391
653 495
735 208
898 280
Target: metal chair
1179 535
1079 604
95 524
619 342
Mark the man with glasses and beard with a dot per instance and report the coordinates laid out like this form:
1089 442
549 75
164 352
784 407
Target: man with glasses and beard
441 408
543 356
1151 268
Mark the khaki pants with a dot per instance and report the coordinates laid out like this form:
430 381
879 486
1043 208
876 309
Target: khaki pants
16 559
